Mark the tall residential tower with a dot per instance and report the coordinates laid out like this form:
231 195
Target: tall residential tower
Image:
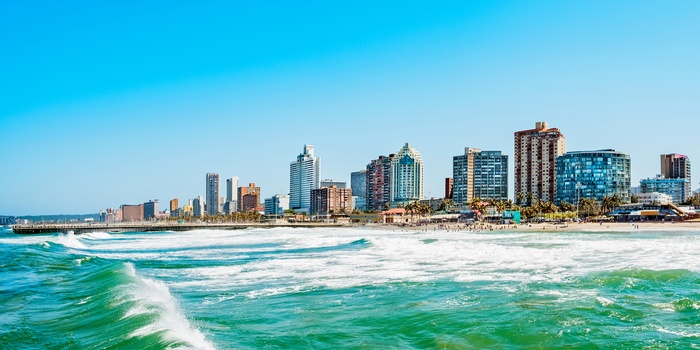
536 151
677 166
406 175
212 203
479 174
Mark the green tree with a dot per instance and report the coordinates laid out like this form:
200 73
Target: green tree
634 199
566 207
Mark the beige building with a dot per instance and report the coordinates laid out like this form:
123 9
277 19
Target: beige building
536 151
328 200
250 197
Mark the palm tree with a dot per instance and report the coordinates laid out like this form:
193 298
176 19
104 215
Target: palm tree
411 209
566 207
520 197
530 197
446 203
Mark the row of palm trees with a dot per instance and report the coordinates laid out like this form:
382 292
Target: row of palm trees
535 207
248 216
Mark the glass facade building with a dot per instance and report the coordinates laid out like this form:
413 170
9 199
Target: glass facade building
480 174
676 188
593 175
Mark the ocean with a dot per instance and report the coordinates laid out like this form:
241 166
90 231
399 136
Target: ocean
350 288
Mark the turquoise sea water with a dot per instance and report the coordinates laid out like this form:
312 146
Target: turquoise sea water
350 288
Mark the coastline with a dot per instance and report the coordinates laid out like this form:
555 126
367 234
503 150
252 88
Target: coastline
622 227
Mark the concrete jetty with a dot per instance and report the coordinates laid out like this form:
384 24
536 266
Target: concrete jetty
156 226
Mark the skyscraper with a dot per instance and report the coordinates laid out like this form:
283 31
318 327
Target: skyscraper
406 175
212 203
677 166
231 195
358 185
379 182
304 176
480 174
536 151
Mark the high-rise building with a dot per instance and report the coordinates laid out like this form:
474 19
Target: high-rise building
358 185
593 175
676 188
150 209
479 174
174 205
536 151
677 166
212 203
449 183
329 200
232 198
277 204
379 182
304 176
406 175
463 176
198 207
251 198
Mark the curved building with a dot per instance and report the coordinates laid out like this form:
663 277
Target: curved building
593 174
304 176
406 175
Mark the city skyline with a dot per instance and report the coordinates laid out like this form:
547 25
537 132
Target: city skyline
108 105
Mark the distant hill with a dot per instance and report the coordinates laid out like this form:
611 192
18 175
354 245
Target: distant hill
60 217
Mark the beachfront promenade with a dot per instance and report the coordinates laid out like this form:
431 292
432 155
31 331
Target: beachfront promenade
156 226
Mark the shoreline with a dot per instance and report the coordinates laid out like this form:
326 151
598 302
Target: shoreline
623 227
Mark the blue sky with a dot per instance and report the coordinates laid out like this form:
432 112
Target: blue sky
107 103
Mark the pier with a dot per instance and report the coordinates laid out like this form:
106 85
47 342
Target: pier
157 226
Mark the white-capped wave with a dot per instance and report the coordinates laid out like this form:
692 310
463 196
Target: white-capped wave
70 240
96 235
153 297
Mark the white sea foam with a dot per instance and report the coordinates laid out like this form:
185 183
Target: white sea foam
96 235
70 240
153 297
310 258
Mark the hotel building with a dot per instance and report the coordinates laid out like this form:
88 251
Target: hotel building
406 184
676 188
677 166
593 175
378 182
536 151
329 200
304 176
480 174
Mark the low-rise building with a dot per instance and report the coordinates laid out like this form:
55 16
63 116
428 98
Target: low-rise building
676 188
654 198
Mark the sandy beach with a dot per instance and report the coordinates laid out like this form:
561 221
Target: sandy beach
562 227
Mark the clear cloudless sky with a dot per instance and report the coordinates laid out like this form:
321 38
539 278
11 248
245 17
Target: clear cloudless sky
104 103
